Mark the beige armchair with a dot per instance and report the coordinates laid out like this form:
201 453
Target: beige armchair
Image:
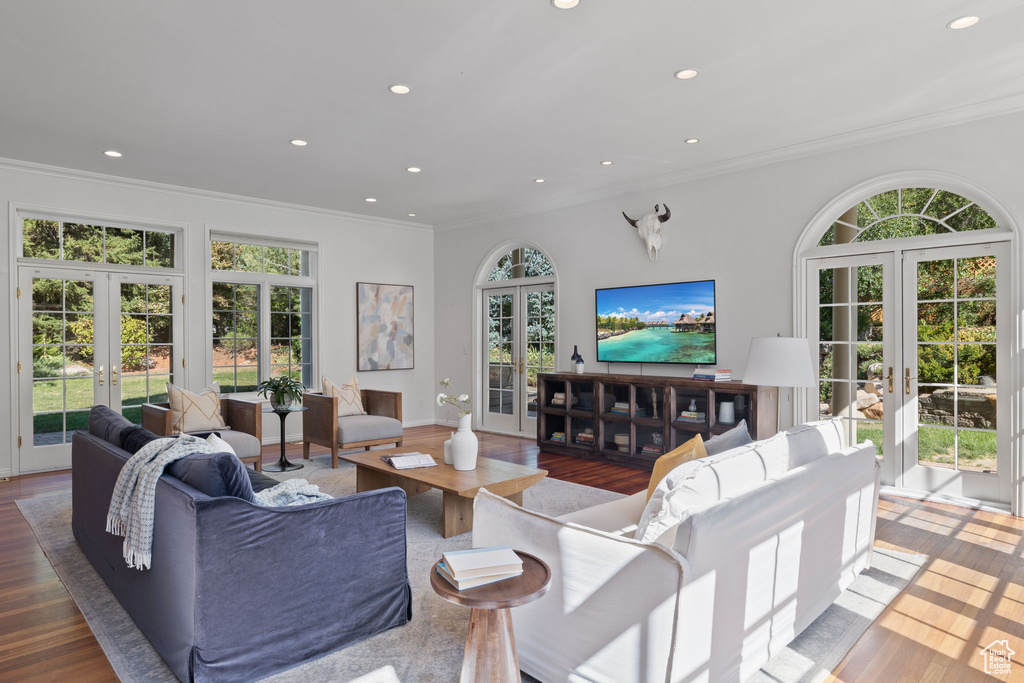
381 425
244 419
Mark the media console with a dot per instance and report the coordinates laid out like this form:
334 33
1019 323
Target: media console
636 409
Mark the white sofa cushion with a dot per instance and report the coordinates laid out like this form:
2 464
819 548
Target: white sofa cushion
813 440
618 517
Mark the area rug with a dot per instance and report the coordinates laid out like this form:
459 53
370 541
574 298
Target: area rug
429 648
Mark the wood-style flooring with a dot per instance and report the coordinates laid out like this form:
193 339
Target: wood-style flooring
969 594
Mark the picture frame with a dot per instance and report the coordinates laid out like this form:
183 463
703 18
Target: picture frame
385 316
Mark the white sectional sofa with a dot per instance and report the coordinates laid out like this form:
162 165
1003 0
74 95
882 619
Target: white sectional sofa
771 534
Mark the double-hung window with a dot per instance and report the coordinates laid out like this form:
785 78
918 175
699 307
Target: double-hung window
263 299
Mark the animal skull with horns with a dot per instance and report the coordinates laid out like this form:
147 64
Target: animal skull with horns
649 229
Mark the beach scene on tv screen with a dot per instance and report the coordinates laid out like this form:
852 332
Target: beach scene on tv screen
670 323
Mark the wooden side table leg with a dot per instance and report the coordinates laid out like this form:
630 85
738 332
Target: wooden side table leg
490 648
457 515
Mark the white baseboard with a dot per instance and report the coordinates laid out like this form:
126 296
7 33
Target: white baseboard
419 423
291 438
973 503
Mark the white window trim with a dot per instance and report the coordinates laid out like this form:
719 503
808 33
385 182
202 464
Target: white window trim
264 281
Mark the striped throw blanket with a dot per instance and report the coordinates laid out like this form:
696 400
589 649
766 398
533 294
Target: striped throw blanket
134 499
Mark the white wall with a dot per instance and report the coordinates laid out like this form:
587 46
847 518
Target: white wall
352 250
739 229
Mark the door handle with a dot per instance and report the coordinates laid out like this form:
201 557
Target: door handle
891 377
522 365
101 375
113 375
908 379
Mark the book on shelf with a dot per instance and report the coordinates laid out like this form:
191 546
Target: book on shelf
558 437
409 461
692 415
710 374
463 584
476 562
651 450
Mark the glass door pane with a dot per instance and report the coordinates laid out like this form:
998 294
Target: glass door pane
500 372
853 315
951 381
540 345
61 357
146 355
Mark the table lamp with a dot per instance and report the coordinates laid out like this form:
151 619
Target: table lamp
779 362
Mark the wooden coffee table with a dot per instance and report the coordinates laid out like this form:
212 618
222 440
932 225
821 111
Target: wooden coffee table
505 479
490 653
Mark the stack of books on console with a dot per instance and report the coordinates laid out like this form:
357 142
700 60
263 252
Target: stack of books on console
558 437
479 566
712 375
585 438
693 416
651 449
620 408
558 398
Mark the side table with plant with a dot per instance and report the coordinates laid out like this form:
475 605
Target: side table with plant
283 391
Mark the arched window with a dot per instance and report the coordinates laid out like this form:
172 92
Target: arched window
521 262
907 212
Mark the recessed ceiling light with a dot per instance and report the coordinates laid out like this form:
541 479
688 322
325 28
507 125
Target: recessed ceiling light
963 22
538 180
299 143
692 141
686 74
413 169
400 89
371 199
607 163
112 153
564 4
412 215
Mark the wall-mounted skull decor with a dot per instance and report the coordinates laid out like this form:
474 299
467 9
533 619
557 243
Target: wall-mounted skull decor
649 229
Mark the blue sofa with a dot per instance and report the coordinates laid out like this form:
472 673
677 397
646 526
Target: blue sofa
237 591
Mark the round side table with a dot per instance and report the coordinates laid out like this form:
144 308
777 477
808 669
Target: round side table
283 465
490 653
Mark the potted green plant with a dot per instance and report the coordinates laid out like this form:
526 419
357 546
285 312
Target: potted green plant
282 391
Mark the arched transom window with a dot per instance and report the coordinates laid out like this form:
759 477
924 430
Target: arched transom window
907 212
521 262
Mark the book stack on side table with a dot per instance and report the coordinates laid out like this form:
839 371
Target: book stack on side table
479 566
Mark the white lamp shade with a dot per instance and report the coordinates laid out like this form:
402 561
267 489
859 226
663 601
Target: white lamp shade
779 362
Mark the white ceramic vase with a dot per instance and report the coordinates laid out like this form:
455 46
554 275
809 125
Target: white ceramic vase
464 445
448 451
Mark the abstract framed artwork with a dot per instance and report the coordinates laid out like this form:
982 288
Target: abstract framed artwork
384 328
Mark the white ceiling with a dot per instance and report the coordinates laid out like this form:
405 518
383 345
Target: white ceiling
208 93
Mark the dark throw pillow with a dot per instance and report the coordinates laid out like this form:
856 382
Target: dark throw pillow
107 424
215 474
134 437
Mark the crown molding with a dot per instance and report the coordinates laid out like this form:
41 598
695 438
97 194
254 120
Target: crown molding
132 183
943 119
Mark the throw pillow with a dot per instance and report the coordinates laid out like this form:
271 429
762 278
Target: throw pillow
107 424
220 444
734 438
350 401
133 438
215 474
194 412
691 450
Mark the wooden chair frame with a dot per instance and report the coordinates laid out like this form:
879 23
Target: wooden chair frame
320 422
239 415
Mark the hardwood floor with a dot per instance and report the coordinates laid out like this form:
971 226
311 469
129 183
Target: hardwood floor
969 593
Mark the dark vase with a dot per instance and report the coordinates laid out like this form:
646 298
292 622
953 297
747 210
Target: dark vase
575 354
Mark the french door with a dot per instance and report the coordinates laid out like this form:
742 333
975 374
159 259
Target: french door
910 355
90 338
519 343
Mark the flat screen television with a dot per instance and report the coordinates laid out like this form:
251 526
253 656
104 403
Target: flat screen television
667 323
